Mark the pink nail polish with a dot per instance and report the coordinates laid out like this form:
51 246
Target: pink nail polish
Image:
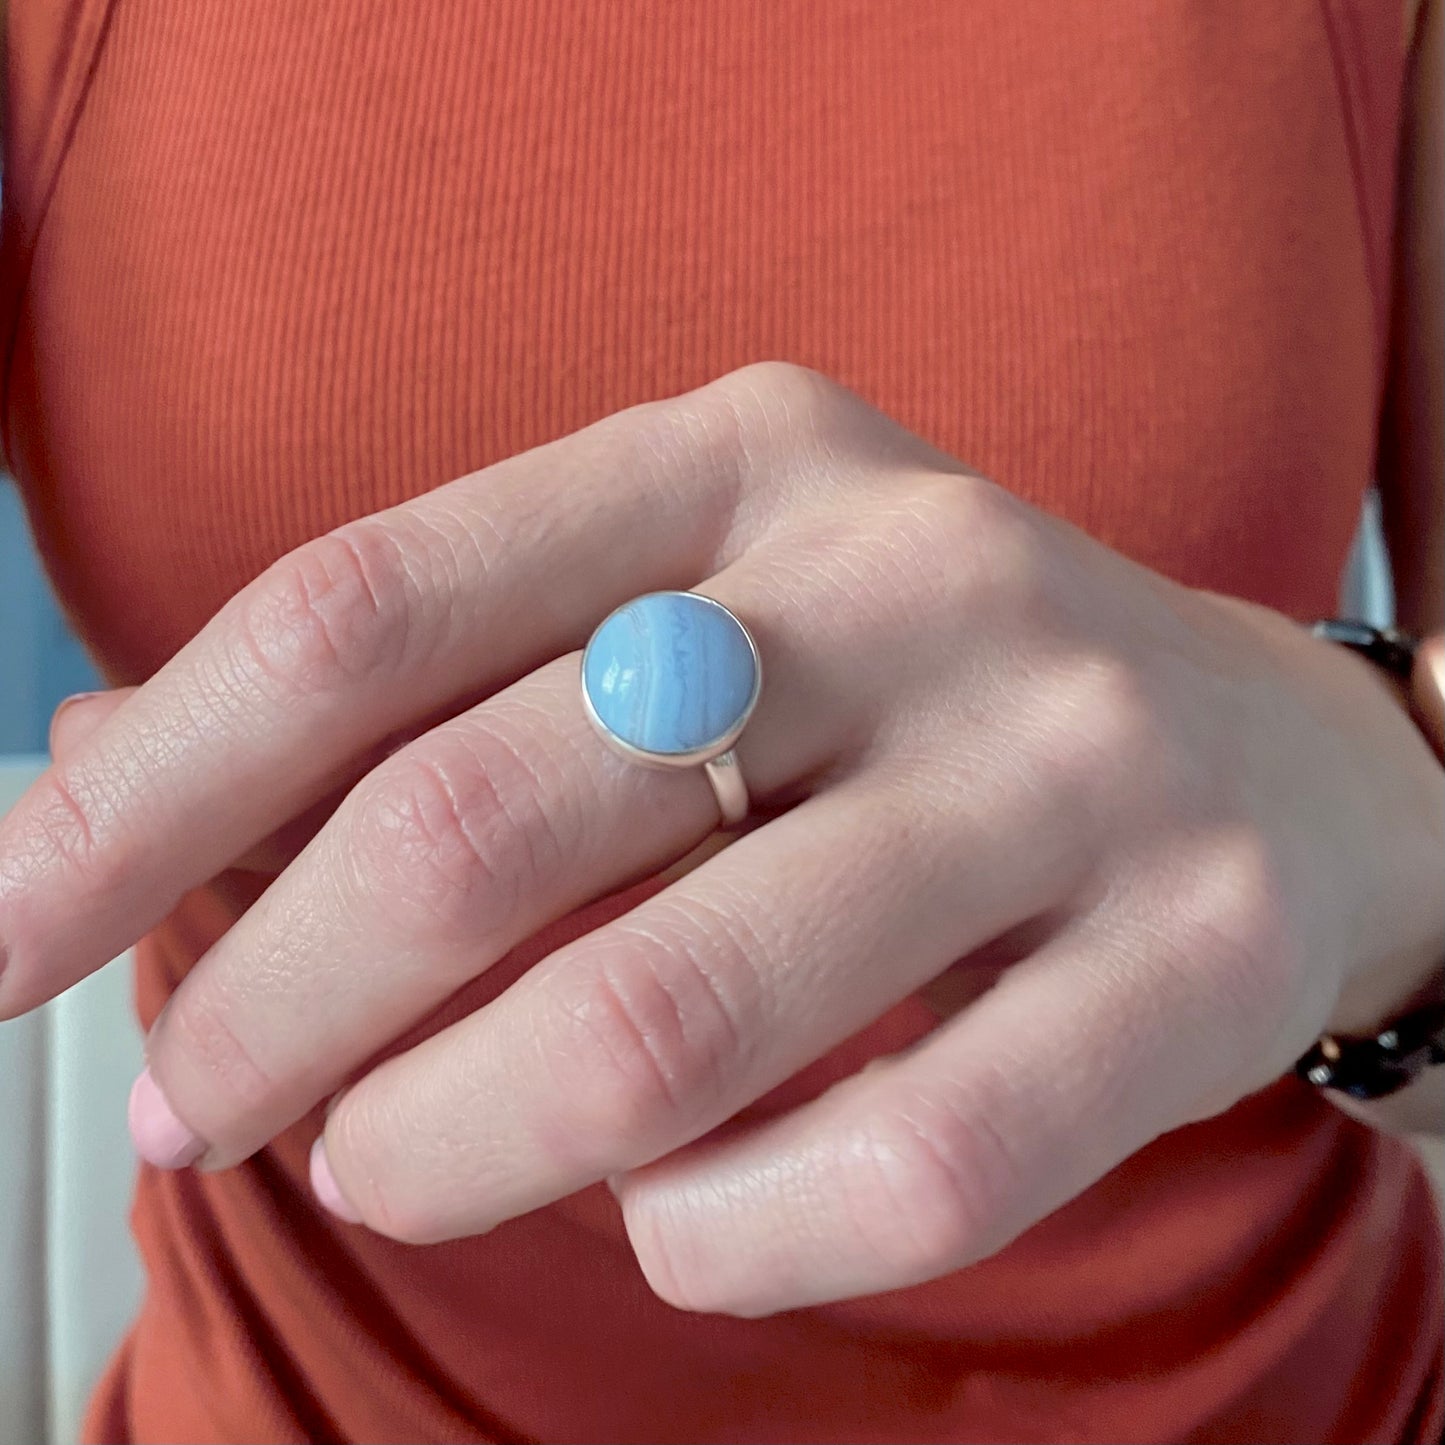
325 1187
160 1137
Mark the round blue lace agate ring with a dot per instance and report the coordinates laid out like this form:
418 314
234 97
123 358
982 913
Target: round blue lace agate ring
671 679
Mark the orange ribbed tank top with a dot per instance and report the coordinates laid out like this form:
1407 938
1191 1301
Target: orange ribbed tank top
273 265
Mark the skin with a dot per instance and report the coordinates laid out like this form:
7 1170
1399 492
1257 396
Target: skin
1172 837
1054 745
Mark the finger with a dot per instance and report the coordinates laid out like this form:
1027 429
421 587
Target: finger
651 1031
458 848
1078 1057
347 640
78 717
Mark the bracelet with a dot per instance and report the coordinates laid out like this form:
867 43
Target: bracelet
1386 647
1370 1068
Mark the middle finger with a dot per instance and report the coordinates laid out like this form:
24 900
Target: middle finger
451 853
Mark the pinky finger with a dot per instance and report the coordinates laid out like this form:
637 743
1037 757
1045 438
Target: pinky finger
931 1160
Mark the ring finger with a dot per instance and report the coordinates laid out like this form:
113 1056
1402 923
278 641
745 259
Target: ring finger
448 855
645 1034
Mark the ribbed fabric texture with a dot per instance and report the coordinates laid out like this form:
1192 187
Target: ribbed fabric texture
271 266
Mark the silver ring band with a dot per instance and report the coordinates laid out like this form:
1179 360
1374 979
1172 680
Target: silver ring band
728 787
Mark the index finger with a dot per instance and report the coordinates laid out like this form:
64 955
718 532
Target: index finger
339 644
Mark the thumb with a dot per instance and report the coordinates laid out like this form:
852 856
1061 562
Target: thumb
79 716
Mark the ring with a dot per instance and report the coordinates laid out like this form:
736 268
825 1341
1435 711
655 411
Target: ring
670 679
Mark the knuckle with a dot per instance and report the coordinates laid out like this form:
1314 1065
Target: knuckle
362 1153
763 387
671 1246
63 810
975 543
1103 740
333 612
1254 968
772 408
659 1260
454 835
1224 966
198 1024
629 1055
927 1192
654 1037
690 456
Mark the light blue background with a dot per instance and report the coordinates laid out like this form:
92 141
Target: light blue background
40 662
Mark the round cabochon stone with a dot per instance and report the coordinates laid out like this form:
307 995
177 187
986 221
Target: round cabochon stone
670 673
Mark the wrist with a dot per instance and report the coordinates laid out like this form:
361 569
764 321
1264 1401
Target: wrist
1412 976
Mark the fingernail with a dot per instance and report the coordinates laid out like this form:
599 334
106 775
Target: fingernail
65 705
160 1137
325 1187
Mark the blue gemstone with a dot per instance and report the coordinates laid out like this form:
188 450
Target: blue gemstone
670 673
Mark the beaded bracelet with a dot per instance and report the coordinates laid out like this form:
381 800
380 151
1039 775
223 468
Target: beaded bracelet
1371 1067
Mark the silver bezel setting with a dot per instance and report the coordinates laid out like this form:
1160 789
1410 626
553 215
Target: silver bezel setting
714 748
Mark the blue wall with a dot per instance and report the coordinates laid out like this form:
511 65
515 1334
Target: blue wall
40 662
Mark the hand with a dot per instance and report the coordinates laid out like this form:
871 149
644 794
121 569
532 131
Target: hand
1182 835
